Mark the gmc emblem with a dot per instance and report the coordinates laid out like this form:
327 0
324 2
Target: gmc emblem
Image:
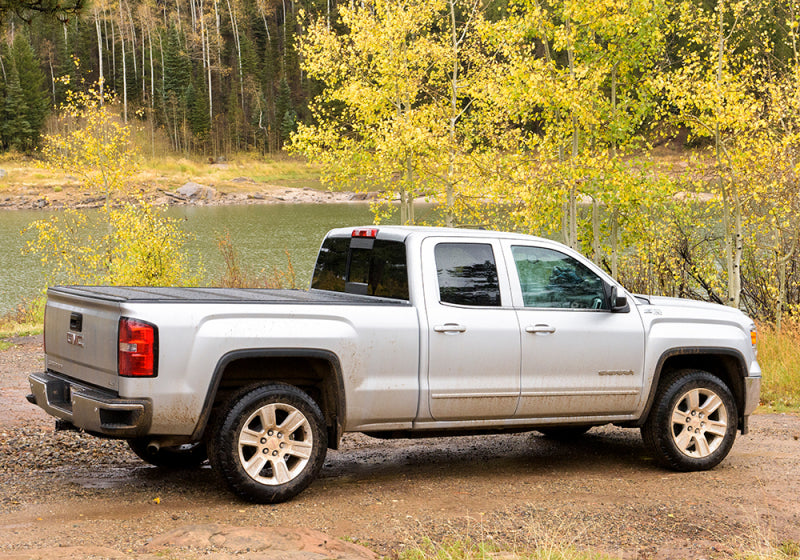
75 339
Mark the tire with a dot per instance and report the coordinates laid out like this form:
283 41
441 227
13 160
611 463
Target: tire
269 443
564 433
693 422
187 456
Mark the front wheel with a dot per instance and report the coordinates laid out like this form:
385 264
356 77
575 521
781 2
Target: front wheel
269 443
692 425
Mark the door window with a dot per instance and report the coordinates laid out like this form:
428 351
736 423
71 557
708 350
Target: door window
549 278
467 274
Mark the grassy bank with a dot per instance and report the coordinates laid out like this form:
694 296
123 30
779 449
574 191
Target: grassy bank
280 171
27 319
237 173
549 548
779 357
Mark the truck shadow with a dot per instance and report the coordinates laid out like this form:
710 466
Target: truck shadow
103 468
600 451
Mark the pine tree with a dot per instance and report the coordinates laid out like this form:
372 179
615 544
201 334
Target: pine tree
177 66
14 128
174 101
199 122
285 114
33 90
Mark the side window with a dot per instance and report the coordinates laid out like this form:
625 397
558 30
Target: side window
467 274
549 278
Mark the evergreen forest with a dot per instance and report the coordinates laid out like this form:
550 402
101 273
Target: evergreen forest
212 77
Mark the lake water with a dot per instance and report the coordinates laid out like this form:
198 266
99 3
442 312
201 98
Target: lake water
261 233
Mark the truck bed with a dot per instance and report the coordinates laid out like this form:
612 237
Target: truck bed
220 295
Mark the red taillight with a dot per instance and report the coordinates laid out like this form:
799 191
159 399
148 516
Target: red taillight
372 232
138 348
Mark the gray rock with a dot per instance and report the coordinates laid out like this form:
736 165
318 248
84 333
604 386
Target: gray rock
196 191
3 173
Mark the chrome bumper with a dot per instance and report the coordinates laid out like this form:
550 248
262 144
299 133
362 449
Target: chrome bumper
89 408
752 394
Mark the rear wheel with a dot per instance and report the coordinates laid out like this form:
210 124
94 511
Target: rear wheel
269 443
187 456
692 425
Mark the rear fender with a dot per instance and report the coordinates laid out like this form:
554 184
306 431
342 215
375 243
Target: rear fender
336 417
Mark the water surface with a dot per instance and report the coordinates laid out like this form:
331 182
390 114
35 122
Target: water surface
261 233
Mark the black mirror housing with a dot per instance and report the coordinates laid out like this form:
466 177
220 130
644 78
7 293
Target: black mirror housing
618 303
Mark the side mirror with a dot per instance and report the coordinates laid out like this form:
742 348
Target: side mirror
618 303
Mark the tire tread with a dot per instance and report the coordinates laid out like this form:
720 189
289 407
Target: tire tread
655 431
223 455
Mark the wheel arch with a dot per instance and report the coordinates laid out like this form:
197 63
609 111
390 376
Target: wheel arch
316 371
726 363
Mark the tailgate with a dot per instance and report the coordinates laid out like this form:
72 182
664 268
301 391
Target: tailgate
81 338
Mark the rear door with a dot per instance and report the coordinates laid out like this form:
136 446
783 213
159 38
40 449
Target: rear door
473 334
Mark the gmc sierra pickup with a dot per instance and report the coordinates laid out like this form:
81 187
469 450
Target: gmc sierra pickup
405 332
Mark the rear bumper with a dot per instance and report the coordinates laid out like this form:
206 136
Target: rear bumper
89 408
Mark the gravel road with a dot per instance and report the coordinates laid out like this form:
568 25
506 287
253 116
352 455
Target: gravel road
603 492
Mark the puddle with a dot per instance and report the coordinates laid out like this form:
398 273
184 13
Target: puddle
110 478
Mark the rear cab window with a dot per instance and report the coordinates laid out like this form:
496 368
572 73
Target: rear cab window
365 266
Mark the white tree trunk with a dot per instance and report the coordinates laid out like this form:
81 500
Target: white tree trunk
114 56
204 39
219 35
264 18
133 38
101 77
235 27
124 65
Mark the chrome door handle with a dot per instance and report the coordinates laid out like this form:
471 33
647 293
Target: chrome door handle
450 328
540 328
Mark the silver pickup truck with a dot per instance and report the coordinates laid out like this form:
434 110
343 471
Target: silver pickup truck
405 332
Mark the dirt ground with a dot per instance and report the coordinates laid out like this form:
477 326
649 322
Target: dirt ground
93 498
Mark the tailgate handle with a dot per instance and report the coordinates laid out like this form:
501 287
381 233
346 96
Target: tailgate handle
76 322
540 328
450 328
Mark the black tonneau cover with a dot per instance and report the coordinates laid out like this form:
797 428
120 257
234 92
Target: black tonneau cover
221 295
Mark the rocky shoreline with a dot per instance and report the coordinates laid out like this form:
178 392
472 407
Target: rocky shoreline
190 194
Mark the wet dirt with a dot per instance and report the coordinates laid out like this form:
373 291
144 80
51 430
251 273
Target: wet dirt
602 492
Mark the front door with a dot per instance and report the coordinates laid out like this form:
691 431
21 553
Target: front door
578 358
